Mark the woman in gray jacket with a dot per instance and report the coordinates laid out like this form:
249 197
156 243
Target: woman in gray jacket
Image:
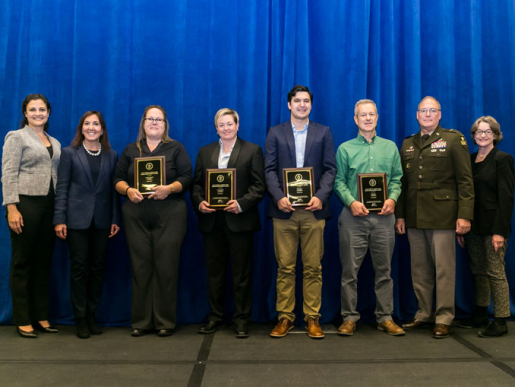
29 175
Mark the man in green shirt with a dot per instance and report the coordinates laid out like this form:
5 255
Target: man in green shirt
361 229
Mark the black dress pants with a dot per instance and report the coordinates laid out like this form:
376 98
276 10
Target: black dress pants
31 259
88 253
220 244
155 230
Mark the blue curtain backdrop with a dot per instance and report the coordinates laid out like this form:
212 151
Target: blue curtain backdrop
195 57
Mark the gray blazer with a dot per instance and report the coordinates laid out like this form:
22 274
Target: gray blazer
26 165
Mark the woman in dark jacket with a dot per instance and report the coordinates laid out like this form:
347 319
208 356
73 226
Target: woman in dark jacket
486 243
87 214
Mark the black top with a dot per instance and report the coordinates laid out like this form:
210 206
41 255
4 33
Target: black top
51 188
178 164
94 166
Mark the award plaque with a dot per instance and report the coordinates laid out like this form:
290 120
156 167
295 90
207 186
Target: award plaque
372 190
220 187
149 172
299 185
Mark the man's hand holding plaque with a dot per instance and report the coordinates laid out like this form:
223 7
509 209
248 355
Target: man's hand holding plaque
299 187
373 193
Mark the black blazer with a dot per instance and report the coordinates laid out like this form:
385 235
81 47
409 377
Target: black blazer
493 185
77 200
247 158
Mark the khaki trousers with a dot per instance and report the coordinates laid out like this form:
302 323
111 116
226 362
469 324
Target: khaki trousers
302 227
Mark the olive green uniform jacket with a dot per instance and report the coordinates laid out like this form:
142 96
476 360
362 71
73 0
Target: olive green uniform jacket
437 185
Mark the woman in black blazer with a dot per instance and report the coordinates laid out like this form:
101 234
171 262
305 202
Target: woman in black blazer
486 243
87 214
29 174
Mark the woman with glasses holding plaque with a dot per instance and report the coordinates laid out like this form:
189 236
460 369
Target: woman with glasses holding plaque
154 172
29 175
230 230
486 243
87 214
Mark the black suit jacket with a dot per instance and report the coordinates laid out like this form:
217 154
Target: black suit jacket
247 158
77 200
493 186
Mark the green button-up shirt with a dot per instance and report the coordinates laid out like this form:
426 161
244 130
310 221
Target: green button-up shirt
359 156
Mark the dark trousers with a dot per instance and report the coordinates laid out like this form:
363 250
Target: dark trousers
155 230
221 243
88 253
31 258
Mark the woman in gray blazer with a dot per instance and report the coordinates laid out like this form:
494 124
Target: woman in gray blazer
29 175
87 214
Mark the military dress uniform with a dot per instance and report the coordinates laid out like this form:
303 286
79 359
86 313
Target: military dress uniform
437 189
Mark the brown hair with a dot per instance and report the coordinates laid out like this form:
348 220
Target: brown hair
79 136
142 136
494 125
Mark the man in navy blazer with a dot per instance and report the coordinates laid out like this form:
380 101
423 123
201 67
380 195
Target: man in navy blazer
295 144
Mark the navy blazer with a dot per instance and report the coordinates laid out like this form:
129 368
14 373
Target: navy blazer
247 158
77 200
319 154
493 187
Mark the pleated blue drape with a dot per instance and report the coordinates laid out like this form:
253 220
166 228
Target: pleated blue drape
195 57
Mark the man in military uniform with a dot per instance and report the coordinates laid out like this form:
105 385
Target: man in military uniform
436 203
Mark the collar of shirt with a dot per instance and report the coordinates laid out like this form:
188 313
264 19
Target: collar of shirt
223 158
300 143
363 139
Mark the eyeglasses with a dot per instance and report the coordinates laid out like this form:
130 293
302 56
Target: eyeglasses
156 120
488 132
431 111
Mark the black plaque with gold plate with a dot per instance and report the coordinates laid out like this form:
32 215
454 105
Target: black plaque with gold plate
299 185
372 190
220 187
149 172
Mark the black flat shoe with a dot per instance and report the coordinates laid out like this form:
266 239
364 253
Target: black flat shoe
137 332
165 332
211 327
94 329
27 335
48 329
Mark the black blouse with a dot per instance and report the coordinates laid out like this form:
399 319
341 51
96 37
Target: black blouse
178 164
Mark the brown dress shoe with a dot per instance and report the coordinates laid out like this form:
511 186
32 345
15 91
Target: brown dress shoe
414 324
282 328
313 328
441 331
391 328
347 328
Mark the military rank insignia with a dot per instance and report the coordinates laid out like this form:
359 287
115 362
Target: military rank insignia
463 142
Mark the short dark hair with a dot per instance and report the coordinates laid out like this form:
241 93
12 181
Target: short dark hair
297 89
79 136
26 101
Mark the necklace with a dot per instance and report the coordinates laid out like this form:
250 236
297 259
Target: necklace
91 153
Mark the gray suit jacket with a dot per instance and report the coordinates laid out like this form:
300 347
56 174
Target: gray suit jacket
26 165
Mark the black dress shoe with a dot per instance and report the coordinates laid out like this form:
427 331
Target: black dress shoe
48 329
94 329
82 328
242 330
165 332
137 332
493 330
473 322
27 335
211 327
